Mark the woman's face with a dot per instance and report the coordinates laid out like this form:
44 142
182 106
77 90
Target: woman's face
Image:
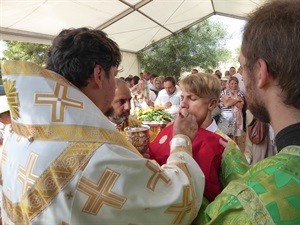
233 85
142 85
195 105
157 84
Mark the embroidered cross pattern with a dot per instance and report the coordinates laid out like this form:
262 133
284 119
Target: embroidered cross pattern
181 209
156 176
58 100
26 176
69 195
101 193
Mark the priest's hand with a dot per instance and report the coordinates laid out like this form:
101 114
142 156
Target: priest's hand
185 124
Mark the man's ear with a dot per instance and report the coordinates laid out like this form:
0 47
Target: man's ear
212 104
98 75
263 74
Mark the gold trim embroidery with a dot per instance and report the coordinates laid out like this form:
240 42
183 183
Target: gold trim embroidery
21 68
49 183
156 176
183 167
255 209
68 163
25 176
181 209
72 133
58 101
101 193
12 98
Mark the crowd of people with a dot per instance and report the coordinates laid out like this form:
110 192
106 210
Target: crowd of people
151 90
230 112
65 160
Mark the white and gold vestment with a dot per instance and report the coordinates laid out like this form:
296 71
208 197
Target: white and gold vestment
65 163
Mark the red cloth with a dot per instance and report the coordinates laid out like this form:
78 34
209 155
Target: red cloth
207 152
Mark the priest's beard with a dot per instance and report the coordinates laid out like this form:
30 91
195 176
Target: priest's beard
255 103
115 118
259 112
109 112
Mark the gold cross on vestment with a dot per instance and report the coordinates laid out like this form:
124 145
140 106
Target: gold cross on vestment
58 100
156 176
26 176
101 193
181 209
69 195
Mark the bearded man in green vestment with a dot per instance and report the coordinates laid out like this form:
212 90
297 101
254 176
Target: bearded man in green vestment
268 192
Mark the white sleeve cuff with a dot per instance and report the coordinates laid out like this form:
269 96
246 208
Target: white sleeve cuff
181 142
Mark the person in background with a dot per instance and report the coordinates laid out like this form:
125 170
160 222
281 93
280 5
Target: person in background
232 71
239 76
142 97
141 75
217 111
227 74
210 71
231 104
148 95
267 192
162 78
119 114
128 81
138 102
134 81
255 152
194 71
152 86
169 97
158 84
66 163
223 82
218 74
149 80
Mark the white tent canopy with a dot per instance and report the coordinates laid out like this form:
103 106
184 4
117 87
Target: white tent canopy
133 24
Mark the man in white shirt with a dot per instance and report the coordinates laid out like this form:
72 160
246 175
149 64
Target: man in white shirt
170 97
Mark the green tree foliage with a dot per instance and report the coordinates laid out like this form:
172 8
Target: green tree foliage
36 53
199 46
